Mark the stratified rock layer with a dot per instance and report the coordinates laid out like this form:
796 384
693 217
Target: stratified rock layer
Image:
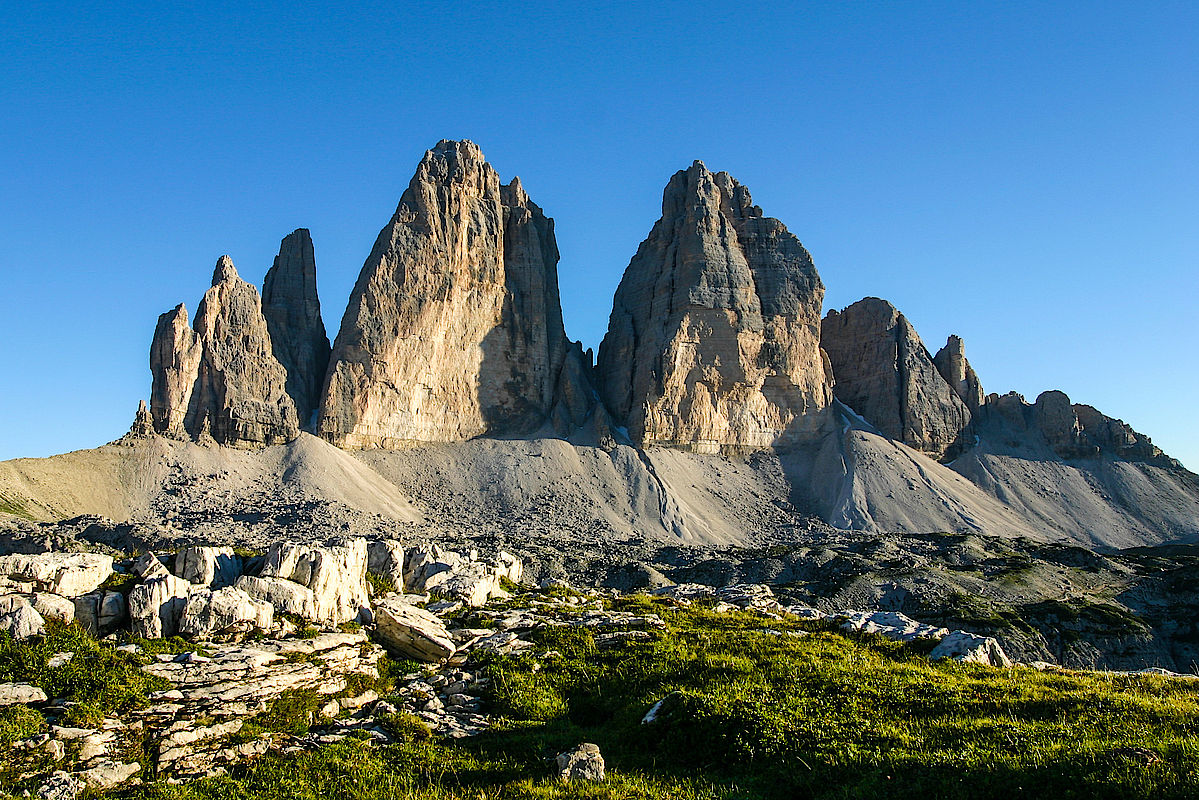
885 374
713 342
293 317
221 378
454 328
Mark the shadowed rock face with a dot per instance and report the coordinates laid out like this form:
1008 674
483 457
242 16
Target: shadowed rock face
454 328
884 373
221 378
713 341
293 317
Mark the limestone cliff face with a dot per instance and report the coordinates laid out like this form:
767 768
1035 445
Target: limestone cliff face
221 378
951 362
175 355
713 341
293 318
883 372
454 328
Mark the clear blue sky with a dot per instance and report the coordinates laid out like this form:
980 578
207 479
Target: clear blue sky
1022 174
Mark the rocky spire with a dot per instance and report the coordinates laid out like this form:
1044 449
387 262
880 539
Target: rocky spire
454 328
175 355
951 362
884 373
293 318
221 378
713 341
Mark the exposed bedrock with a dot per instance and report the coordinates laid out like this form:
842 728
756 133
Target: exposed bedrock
885 374
454 328
293 318
221 377
713 341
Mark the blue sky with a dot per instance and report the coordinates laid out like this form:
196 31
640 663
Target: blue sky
1021 174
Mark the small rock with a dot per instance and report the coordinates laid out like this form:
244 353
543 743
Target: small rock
60 786
581 763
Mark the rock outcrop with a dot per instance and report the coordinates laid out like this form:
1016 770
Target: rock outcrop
951 362
454 328
713 341
885 374
221 378
293 317
1070 430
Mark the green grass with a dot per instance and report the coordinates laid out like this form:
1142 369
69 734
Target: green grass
754 714
99 678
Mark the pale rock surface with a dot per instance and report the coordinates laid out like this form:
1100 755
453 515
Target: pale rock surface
175 356
412 631
890 624
12 694
223 374
972 648
60 786
66 574
385 558
149 566
454 328
713 342
293 317
156 606
335 573
583 763
22 622
223 613
54 606
884 373
286 596
214 567
951 362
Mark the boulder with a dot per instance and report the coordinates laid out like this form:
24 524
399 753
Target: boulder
22 622
336 574
713 342
971 648
12 694
582 763
454 328
148 566
214 567
412 632
223 613
293 317
60 786
385 558
473 589
111 612
54 606
66 574
156 606
286 596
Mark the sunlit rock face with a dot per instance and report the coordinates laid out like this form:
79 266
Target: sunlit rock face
713 342
221 378
454 328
